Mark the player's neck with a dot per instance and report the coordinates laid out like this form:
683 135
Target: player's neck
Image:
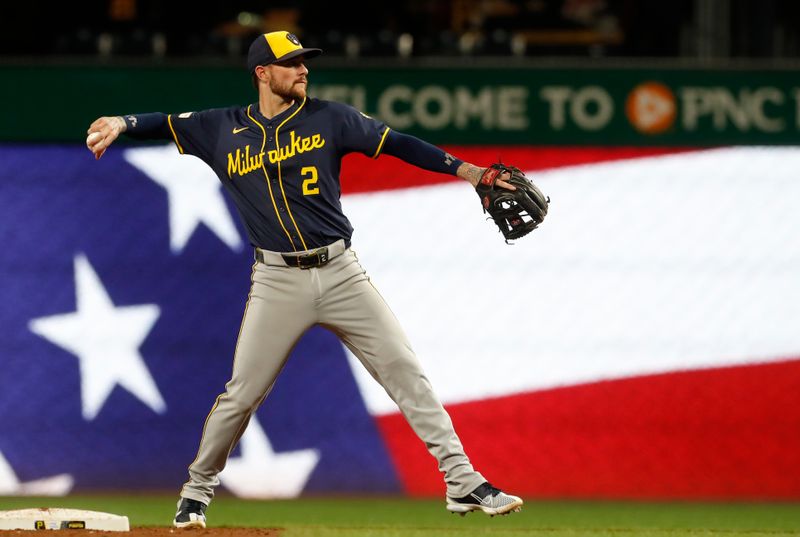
270 104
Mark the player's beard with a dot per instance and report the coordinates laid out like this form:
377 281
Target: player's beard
289 90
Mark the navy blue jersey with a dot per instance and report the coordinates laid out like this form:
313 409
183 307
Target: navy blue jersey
282 173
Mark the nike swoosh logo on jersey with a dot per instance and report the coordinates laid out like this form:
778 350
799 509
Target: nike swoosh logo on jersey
237 131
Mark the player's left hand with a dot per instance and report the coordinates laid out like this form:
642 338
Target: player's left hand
502 180
518 207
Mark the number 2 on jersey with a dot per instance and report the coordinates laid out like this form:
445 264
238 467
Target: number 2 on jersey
309 185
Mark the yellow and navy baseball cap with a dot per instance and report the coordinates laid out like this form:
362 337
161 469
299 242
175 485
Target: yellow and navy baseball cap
277 47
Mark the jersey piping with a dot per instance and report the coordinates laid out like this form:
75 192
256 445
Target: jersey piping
175 136
266 175
380 145
280 181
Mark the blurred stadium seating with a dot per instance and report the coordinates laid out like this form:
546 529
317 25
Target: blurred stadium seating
526 28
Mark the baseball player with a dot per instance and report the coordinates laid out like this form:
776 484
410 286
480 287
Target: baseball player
279 160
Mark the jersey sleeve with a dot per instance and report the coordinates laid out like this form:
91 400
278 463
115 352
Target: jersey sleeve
359 132
420 153
196 133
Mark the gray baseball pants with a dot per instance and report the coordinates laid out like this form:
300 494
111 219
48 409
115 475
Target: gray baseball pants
284 302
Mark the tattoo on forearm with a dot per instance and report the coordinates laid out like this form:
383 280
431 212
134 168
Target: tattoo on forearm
470 173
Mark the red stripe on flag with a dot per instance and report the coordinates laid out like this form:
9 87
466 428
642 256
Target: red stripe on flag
731 433
363 174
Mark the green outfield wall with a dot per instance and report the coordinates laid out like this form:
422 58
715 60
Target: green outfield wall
591 106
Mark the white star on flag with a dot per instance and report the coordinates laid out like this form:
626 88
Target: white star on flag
193 192
261 473
105 339
10 485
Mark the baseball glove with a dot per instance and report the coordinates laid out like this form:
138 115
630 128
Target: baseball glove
516 212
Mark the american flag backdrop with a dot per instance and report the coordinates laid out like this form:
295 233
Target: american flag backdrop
642 343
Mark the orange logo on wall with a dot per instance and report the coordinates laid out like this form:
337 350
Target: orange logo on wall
651 108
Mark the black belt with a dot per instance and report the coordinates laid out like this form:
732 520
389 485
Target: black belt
317 258
314 258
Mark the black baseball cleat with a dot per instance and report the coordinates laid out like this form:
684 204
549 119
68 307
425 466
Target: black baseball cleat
491 500
191 514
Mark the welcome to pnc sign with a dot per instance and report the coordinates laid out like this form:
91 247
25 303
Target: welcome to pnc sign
595 106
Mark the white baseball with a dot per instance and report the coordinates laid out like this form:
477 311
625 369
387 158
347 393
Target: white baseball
93 138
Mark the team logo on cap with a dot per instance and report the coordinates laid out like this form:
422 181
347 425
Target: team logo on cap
293 39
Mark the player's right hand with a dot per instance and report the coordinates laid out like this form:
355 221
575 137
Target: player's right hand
102 133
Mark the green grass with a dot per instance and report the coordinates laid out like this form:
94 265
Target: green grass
390 517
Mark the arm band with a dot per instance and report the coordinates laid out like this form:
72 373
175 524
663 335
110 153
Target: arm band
147 126
420 153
